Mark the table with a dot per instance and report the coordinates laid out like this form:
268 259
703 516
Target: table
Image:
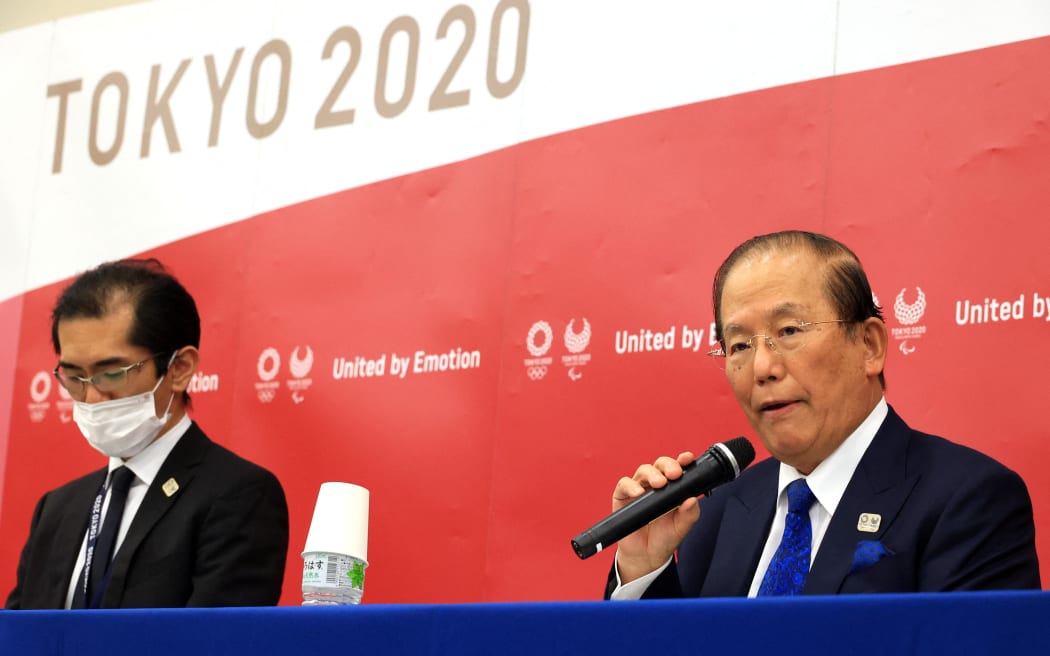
959 623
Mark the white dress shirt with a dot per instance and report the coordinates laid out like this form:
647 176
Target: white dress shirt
827 481
145 466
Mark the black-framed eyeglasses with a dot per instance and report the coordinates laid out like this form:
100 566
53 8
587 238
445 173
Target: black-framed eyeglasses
789 335
110 380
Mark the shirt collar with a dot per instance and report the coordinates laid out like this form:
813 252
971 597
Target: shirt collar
829 479
146 463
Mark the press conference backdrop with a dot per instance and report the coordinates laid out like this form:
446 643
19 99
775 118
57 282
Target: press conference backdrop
460 253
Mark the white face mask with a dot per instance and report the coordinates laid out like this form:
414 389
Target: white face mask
121 428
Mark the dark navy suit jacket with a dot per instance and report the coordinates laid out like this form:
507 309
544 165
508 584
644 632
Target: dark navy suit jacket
220 540
951 519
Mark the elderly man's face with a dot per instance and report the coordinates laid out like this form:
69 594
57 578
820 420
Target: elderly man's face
805 402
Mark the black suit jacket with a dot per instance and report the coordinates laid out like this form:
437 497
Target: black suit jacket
220 540
951 519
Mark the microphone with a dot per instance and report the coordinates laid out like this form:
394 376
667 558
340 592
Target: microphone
720 464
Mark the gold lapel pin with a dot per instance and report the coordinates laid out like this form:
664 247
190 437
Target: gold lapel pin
869 522
170 487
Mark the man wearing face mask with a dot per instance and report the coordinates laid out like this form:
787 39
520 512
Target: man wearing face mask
174 519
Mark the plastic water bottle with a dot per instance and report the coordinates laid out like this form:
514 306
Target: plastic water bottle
331 579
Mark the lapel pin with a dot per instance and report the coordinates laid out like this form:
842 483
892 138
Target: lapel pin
170 487
869 522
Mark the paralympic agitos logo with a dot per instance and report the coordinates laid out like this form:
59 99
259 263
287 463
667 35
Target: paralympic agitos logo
909 315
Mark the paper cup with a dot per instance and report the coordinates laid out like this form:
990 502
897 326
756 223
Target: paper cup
340 521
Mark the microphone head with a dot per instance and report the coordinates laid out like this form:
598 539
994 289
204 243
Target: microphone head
742 451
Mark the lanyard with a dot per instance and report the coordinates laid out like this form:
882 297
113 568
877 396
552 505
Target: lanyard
93 531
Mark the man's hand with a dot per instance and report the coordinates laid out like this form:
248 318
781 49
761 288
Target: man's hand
648 548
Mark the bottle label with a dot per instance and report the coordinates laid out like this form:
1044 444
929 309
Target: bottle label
333 570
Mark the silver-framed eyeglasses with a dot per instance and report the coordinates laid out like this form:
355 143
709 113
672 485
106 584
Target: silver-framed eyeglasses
789 335
110 380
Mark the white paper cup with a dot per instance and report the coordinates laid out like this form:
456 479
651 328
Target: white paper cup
340 521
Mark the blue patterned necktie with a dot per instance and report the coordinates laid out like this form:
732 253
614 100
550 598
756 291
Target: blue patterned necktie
790 565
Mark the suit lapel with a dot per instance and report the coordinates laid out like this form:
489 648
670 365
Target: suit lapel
880 485
745 524
180 466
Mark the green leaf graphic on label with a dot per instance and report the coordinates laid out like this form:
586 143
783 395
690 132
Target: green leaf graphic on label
357 576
